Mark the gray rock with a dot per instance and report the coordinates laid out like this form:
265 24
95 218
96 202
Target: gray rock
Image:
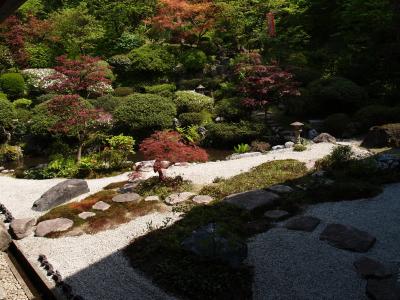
257 226
2 169
347 237
129 188
281 189
253 199
278 147
5 238
303 223
86 214
3 295
101 206
289 145
22 228
370 268
202 199
243 155
384 289
55 225
61 193
212 242
324 138
130 197
179 197
312 134
276 215
152 198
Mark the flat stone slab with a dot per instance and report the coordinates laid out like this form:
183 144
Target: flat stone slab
61 193
253 199
5 238
257 226
129 197
276 215
179 197
55 225
101 206
280 189
384 289
347 237
370 268
22 228
86 214
303 223
152 198
202 199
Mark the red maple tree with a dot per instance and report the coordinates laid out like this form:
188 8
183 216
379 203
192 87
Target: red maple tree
13 32
185 19
74 118
166 148
77 76
262 84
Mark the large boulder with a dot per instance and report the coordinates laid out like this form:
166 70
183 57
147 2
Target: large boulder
54 225
213 242
253 200
22 228
382 136
5 238
325 138
61 193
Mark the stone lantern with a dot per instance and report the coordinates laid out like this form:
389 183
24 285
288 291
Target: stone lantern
200 89
297 128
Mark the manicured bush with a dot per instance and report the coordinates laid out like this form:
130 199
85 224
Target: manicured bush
120 62
188 101
200 118
145 112
299 148
42 120
258 146
7 113
334 95
39 55
38 79
13 84
194 60
228 135
165 90
10 153
123 91
22 103
3 96
374 115
231 109
6 59
127 41
108 102
152 60
337 124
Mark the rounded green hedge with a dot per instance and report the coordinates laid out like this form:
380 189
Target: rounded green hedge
194 60
145 112
165 89
374 115
231 109
7 113
13 84
200 118
189 101
337 124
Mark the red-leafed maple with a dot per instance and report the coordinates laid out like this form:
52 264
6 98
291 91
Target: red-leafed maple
166 148
262 84
185 19
13 33
77 76
74 118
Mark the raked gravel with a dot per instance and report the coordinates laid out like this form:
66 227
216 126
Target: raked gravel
296 265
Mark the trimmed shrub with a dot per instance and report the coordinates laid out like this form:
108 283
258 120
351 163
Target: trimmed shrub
194 60
108 102
231 109
299 148
200 118
127 41
164 90
120 62
6 58
7 113
10 153
152 60
13 84
39 56
145 112
22 103
374 115
257 146
228 135
41 120
189 101
337 124
334 95
123 91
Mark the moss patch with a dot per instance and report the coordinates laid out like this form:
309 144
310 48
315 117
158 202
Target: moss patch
153 186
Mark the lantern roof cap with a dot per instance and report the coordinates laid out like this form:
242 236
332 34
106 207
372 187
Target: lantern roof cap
297 124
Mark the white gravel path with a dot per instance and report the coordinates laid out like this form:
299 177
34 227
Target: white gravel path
297 266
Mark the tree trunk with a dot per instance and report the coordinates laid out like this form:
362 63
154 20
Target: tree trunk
79 155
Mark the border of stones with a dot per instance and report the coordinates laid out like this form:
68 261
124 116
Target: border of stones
8 216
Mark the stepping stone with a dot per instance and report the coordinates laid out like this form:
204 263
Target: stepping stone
370 268
86 214
22 228
101 206
276 215
129 197
202 199
178 197
253 199
280 189
128 188
304 223
257 226
384 289
347 237
152 198
55 225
